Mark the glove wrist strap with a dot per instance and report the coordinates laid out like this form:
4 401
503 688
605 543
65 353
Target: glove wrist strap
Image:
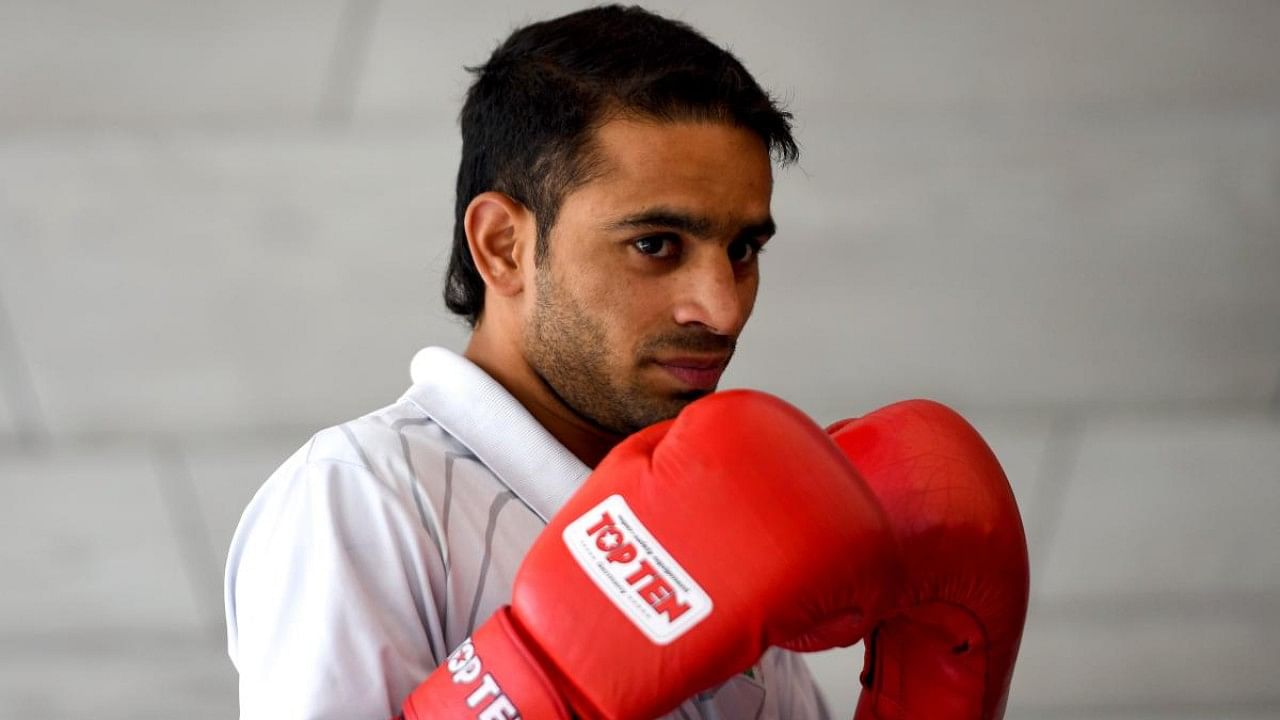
490 676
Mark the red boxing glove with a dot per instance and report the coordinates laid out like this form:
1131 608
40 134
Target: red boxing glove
947 651
694 546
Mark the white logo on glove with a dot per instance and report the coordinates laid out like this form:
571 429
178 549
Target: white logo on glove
642 579
465 665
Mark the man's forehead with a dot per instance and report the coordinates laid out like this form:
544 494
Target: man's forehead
704 178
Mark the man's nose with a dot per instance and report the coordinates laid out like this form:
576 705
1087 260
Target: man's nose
713 294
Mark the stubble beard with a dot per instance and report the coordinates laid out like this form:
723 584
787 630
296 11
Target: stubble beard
569 350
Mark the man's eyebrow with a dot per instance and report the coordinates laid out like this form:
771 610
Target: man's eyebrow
697 225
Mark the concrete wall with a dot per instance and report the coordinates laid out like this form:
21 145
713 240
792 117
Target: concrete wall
223 225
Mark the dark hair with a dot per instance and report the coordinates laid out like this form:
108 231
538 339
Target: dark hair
528 118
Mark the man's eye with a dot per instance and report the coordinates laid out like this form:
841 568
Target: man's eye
744 251
659 246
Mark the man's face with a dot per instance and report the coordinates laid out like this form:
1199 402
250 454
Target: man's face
652 271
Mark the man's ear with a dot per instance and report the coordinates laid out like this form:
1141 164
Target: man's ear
498 230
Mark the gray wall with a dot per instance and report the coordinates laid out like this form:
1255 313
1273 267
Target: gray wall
223 226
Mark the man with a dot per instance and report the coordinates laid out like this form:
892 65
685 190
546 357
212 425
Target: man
613 199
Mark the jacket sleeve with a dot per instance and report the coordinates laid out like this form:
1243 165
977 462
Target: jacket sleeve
331 596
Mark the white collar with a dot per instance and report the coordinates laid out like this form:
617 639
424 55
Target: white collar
478 411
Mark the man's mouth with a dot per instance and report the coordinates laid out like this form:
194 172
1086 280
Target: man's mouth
697 372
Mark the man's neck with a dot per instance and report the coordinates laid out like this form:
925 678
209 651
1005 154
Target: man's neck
504 361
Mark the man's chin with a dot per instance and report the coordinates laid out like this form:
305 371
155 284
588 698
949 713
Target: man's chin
673 403
685 397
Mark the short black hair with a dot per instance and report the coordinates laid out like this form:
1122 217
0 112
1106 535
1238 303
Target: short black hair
528 118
